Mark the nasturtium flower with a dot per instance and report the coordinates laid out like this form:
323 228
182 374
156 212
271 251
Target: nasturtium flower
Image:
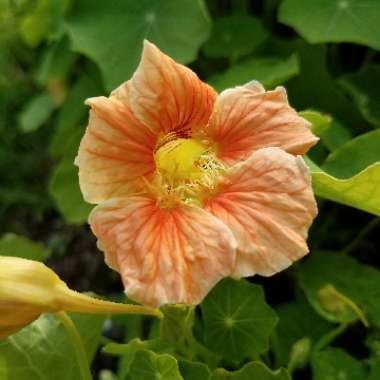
192 186
29 288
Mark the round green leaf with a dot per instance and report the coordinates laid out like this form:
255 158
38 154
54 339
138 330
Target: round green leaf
112 32
237 320
251 371
334 20
148 365
234 36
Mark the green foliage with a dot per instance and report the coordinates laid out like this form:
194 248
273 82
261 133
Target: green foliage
42 22
44 350
147 365
360 191
297 321
54 54
36 112
270 71
360 152
56 62
355 281
193 370
237 320
364 87
20 246
320 122
315 87
334 21
234 36
125 24
64 186
251 371
336 364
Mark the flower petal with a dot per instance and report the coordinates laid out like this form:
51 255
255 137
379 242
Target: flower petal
164 255
115 153
247 118
168 97
268 203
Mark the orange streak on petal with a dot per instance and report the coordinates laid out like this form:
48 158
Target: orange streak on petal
167 96
115 153
172 255
268 203
247 118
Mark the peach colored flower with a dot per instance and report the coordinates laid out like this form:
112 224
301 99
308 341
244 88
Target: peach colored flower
192 186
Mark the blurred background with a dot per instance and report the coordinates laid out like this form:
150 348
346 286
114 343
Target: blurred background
56 53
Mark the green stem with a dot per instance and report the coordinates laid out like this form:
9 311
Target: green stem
77 343
330 337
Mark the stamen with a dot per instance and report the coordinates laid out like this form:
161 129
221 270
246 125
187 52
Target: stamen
185 169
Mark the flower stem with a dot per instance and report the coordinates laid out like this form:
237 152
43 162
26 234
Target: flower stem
77 343
330 337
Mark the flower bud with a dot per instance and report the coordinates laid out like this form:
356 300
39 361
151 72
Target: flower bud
29 288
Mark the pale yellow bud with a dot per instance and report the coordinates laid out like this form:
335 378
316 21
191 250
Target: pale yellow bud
29 288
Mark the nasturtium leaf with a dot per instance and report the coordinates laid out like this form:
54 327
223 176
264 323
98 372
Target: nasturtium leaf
364 88
193 370
336 135
251 371
361 191
127 351
148 365
354 156
315 88
72 116
319 122
178 29
237 320
270 71
36 112
56 62
234 36
297 320
43 350
64 186
336 364
356 281
43 21
177 324
20 246
334 21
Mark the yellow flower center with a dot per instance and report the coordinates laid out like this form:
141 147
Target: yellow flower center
179 159
185 168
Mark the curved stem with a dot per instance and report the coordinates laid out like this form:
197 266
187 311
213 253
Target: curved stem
77 343
330 337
